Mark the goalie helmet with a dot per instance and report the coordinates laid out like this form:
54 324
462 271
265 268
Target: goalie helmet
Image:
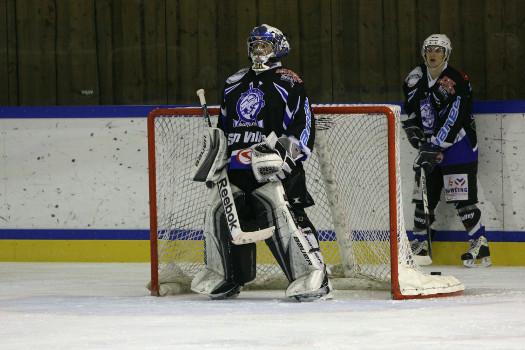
440 40
266 44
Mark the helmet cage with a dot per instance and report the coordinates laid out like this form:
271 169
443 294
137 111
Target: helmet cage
259 42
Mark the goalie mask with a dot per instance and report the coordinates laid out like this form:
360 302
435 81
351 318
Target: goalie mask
266 44
436 41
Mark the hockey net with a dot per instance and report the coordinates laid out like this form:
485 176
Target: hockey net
353 175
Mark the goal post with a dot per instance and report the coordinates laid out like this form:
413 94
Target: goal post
353 175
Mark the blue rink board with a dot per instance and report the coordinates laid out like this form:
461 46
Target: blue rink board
143 234
129 111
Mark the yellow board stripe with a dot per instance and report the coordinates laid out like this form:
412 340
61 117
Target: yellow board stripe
445 253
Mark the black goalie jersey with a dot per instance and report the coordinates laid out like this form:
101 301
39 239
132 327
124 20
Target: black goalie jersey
254 105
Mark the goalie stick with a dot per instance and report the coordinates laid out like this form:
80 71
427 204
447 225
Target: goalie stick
225 193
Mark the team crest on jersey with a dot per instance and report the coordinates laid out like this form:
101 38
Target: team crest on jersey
248 107
427 114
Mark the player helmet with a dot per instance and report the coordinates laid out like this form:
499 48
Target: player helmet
440 40
266 43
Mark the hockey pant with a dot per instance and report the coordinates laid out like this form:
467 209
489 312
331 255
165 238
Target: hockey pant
294 245
450 179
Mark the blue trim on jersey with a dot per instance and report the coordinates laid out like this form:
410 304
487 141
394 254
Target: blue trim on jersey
288 114
230 89
443 132
282 91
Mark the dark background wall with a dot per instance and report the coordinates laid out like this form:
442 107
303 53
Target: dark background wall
84 52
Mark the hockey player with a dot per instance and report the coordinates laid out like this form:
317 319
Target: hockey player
269 127
440 124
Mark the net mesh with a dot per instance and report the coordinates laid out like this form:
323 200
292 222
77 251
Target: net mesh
347 176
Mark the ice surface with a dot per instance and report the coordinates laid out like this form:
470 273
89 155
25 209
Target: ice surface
105 306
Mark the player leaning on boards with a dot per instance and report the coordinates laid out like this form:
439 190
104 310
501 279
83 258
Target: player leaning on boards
268 126
438 102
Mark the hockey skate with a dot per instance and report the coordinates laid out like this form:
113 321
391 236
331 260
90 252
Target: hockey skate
227 291
213 284
421 252
478 254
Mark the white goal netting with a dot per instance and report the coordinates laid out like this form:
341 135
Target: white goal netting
353 175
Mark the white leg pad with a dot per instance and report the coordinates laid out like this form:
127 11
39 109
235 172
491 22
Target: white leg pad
307 268
310 287
206 281
217 250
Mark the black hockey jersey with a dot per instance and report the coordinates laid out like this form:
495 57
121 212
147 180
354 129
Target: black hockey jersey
443 110
253 105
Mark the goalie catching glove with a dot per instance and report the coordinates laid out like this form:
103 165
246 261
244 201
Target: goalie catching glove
274 158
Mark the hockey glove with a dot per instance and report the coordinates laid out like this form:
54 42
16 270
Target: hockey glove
429 155
274 158
414 135
266 163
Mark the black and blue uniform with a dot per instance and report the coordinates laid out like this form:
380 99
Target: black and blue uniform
442 108
255 104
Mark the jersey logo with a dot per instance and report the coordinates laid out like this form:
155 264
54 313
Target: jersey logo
245 156
241 159
448 84
249 105
289 75
427 114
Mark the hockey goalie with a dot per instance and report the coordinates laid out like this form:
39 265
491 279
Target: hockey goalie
252 163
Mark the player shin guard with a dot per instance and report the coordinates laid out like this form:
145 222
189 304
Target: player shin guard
470 216
295 248
478 253
419 219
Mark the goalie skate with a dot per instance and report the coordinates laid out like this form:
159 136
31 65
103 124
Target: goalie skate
478 254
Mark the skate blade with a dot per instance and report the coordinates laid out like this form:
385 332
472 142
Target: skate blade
483 262
423 260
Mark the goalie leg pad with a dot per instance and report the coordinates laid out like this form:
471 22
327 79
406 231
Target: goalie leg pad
295 248
228 267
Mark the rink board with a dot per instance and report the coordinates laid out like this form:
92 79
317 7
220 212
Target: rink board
85 167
